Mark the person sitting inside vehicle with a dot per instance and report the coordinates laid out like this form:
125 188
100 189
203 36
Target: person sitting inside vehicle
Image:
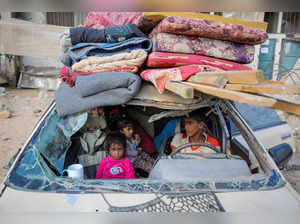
87 144
117 165
194 132
139 158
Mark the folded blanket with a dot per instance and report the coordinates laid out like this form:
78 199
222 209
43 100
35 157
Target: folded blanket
106 35
100 20
210 29
84 50
161 59
165 42
107 89
115 34
158 16
159 77
133 60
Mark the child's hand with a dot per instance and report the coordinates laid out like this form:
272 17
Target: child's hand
137 138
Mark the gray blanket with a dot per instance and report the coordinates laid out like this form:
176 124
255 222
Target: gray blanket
103 89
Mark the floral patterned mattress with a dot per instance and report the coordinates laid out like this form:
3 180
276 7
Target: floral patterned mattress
164 59
165 42
211 29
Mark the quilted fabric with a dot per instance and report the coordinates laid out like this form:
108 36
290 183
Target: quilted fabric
100 20
133 60
165 42
159 77
211 29
162 59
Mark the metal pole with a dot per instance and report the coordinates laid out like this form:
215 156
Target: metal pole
279 22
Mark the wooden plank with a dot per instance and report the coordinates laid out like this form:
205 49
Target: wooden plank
179 89
273 82
234 77
233 95
215 81
30 39
265 88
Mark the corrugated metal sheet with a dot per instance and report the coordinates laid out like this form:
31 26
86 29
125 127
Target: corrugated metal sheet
291 22
60 18
79 18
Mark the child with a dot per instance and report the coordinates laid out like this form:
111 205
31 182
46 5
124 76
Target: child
140 159
117 165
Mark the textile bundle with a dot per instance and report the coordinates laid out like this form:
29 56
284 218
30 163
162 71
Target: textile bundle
83 50
99 20
210 29
103 89
129 60
159 77
161 59
165 42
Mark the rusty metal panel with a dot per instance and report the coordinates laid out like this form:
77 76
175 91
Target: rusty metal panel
39 78
60 18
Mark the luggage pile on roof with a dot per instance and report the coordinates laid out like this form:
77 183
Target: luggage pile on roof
114 56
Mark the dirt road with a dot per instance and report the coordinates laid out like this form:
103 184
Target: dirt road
27 106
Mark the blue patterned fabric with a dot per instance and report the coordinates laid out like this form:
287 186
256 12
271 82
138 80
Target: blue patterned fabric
83 50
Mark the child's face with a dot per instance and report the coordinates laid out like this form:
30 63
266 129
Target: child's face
127 131
116 151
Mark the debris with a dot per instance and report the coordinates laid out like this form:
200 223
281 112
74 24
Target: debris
12 95
24 108
8 109
2 90
5 139
5 114
37 111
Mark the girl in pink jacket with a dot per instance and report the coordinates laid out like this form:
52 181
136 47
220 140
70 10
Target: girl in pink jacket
117 165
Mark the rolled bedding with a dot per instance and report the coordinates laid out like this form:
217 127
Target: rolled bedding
165 42
105 89
211 29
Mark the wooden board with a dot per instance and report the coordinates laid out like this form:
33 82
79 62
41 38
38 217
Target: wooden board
233 95
24 38
234 77
215 81
179 89
265 88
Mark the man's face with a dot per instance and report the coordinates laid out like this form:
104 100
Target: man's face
98 111
192 127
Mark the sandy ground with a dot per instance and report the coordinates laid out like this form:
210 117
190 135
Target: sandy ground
14 131
25 104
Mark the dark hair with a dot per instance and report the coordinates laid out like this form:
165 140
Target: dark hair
198 115
124 123
115 138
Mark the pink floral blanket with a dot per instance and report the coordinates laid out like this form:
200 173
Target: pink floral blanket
159 77
211 29
166 42
162 59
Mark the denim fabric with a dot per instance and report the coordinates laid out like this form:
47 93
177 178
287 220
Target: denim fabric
107 35
84 50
